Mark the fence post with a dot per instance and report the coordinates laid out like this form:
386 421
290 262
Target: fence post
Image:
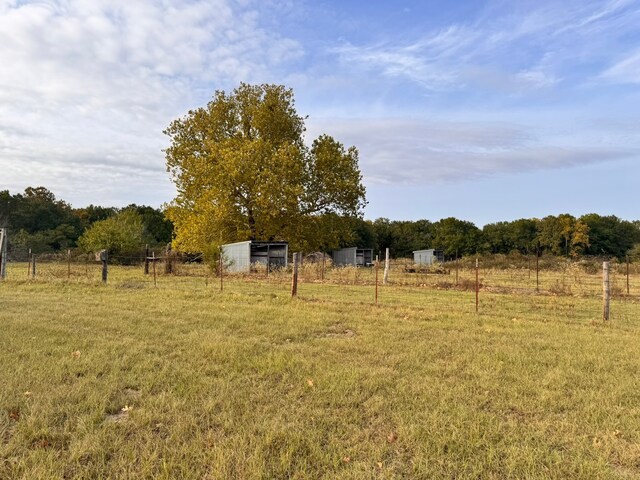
377 264
457 267
104 256
153 259
538 269
68 264
33 265
477 285
168 259
29 264
146 259
323 262
627 275
3 253
385 277
221 266
606 291
294 276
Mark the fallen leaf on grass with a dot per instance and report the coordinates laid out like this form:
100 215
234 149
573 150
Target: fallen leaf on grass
76 354
309 382
380 465
392 437
42 443
346 459
27 393
127 408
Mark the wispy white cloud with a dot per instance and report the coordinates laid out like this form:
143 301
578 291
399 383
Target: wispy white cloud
624 71
415 152
516 50
93 83
426 61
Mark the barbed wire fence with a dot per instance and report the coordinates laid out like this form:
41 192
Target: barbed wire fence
498 280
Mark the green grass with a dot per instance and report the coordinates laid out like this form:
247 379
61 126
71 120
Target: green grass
182 381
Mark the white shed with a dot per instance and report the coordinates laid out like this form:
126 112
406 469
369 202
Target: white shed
241 256
358 257
427 257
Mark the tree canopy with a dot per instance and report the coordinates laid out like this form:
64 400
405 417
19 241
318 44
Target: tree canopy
37 220
243 172
122 234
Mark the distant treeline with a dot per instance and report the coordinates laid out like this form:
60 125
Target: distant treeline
37 220
563 235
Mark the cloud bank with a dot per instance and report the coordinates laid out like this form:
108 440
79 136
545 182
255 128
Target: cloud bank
88 86
418 152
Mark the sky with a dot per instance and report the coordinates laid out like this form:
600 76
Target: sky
482 110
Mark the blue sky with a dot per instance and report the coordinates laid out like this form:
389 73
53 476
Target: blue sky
485 111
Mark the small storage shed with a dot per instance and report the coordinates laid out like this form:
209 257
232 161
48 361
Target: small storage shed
358 257
428 257
241 256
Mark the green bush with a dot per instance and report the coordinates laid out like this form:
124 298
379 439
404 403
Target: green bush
121 235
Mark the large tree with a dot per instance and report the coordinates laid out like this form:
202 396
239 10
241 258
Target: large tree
243 171
610 235
456 237
563 235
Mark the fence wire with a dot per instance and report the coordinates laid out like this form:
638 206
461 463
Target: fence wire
570 288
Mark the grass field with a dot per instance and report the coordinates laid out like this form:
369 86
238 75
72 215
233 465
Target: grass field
182 381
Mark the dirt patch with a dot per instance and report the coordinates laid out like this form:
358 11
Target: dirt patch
132 285
116 417
119 416
341 333
132 392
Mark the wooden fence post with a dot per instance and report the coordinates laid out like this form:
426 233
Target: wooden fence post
29 264
146 259
606 291
324 256
377 264
627 275
538 269
477 285
385 277
3 253
169 259
294 276
104 258
153 260
457 267
221 266
68 264
33 265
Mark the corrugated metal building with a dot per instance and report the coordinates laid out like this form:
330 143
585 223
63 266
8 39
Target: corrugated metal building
241 256
359 257
428 257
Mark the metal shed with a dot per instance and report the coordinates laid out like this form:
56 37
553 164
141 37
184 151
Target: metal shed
427 257
359 257
241 256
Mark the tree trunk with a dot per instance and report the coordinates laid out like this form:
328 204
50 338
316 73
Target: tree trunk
252 225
